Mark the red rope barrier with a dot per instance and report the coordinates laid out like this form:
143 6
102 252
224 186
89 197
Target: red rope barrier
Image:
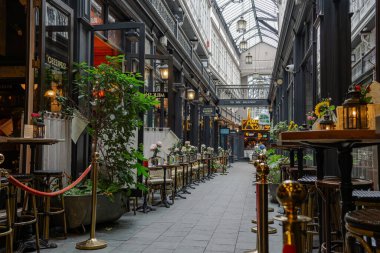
289 249
18 184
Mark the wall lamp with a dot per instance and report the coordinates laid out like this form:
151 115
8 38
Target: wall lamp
164 71
190 94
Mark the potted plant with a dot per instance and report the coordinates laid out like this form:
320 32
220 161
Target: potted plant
275 161
275 131
111 103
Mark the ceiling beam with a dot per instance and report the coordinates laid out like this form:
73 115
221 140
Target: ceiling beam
268 26
238 16
255 15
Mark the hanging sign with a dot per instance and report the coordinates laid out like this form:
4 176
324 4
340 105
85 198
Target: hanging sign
224 131
208 111
264 119
157 94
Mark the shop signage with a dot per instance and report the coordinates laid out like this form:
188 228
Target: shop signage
157 94
233 131
243 102
208 111
224 131
251 124
264 119
55 62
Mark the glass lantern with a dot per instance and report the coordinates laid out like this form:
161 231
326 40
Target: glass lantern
241 25
327 123
243 45
355 114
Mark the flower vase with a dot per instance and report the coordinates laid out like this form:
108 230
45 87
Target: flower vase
154 161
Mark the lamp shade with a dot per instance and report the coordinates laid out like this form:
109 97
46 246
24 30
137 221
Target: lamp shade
164 72
241 25
49 94
132 36
243 45
190 94
248 59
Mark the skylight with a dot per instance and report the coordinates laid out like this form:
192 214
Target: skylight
261 17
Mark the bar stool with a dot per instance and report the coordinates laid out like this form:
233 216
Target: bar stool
26 217
293 172
366 198
5 218
308 209
46 180
329 190
363 223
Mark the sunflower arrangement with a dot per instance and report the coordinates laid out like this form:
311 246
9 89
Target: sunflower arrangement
324 107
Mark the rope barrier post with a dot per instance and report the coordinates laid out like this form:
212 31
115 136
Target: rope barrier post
291 194
93 243
262 171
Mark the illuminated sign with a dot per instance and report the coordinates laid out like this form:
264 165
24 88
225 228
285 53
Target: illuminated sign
157 94
251 124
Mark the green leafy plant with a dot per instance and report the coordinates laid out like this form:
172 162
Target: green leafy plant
112 103
275 131
275 161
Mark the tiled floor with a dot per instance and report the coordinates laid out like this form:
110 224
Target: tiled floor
216 217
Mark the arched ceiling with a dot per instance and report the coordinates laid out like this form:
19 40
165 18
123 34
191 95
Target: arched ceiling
261 17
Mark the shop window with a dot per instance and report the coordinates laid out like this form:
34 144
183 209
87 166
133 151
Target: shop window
114 36
97 12
57 57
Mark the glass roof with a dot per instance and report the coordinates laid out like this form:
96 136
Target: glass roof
261 17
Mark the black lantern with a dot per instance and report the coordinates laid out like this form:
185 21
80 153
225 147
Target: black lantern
164 71
355 114
327 123
248 59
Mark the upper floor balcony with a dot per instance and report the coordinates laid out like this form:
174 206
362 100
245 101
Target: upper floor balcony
364 65
163 11
363 12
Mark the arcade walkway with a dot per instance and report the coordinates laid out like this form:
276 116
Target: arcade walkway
216 217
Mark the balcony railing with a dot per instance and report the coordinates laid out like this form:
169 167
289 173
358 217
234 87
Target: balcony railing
164 13
365 64
362 13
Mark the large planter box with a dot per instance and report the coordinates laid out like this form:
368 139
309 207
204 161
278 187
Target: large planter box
78 209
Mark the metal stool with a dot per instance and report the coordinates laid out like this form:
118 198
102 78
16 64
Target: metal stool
363 223
26 217
5 221
45 179
329 190
308 209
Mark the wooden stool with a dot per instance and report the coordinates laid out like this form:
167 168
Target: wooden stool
329 189
5 221
46 180
26 217
360 223
308 209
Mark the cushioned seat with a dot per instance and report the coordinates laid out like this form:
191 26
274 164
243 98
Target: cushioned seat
307 179
368 196
366 219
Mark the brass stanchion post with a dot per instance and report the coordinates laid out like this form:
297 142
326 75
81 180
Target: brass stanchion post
291 194
262 206
93 243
